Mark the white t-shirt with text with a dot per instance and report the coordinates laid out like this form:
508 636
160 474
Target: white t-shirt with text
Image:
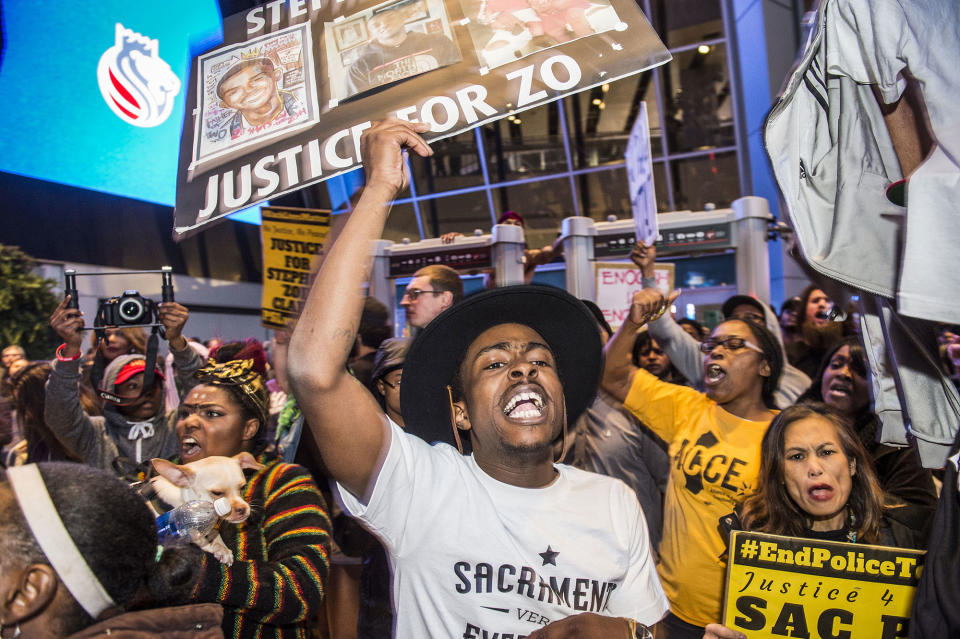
472 556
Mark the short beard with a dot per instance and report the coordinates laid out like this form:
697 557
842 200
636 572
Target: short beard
529 452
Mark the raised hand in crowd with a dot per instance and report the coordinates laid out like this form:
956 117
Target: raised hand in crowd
644 256
448 238
385 167
68 324
174 316
649 304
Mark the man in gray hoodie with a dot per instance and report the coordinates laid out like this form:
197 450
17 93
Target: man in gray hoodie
684 351
134 431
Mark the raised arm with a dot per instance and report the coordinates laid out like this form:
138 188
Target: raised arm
174 317
346 421
81 436
281 350
683 350
618 368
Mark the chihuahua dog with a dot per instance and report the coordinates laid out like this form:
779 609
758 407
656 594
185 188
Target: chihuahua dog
207 479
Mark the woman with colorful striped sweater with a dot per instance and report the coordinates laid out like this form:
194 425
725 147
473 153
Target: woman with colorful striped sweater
275 585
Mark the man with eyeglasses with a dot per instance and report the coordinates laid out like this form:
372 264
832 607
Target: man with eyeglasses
684 351
432 290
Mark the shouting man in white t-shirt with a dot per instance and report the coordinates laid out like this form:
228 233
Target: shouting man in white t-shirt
501 541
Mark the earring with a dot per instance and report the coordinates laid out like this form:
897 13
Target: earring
16 630
453 421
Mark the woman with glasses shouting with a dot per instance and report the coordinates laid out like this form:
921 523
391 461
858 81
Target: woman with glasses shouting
714 438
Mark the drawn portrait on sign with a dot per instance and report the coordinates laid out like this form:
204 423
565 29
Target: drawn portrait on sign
254 92
404 38
506 30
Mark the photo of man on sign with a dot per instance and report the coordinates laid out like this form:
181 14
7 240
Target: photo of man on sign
405 38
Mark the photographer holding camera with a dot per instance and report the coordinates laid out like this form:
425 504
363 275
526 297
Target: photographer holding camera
134 429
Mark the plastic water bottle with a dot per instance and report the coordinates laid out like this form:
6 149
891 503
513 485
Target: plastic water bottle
190 521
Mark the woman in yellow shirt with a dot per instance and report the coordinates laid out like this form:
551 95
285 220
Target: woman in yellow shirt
714 440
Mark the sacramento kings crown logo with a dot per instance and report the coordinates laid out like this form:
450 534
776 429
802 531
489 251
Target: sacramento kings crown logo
136 84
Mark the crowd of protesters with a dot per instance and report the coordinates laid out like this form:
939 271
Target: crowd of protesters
513 443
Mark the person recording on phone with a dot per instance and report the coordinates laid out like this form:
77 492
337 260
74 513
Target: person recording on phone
134 429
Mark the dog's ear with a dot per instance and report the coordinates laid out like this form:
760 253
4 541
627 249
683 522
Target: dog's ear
246 460
181 476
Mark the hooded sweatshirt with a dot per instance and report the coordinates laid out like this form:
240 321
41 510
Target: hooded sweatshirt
99 441
684 353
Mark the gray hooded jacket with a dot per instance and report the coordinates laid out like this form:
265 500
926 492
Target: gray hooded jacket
98 441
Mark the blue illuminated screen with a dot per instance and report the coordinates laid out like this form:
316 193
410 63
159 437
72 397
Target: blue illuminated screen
57 124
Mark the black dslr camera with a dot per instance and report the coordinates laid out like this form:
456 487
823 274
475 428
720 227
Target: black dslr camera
129 309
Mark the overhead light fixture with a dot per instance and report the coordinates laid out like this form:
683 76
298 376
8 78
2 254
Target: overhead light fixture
516 120
704 49
597 101
601 106
605 87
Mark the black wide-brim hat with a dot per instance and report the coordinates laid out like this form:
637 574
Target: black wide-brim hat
566 325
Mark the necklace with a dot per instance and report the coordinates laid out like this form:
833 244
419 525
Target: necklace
851 527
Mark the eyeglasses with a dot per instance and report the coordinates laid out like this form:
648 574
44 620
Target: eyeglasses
729 343
413 293
394 385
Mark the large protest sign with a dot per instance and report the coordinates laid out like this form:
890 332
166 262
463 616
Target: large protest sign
639 162
618 281
791 587
283 102
292 238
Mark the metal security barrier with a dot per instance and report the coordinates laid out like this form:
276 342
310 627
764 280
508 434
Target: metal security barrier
743 229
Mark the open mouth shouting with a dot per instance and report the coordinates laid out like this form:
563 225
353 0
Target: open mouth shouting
527 404
820 492
189 448
840 390
821 317
713 374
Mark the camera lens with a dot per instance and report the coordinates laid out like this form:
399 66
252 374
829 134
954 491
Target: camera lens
131 310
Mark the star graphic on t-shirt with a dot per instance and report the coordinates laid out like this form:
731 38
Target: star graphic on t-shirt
549 556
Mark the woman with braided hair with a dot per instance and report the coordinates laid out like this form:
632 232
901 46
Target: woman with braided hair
276 583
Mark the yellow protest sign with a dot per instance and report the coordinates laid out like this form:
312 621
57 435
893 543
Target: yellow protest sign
792 587
292 237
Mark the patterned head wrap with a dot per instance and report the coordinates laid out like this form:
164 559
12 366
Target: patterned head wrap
245 383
